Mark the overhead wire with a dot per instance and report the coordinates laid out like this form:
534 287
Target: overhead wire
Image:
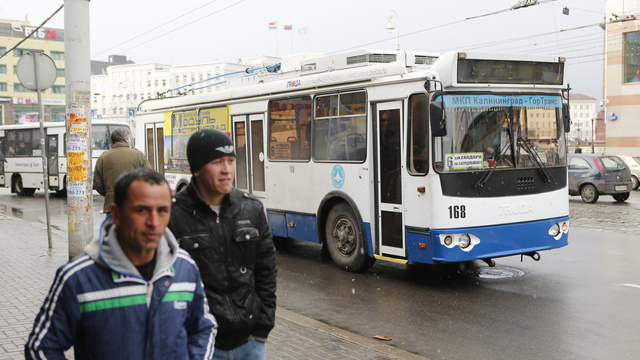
192 22
488 44
155 28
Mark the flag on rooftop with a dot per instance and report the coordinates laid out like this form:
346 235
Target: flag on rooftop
288 27
302 31
273 26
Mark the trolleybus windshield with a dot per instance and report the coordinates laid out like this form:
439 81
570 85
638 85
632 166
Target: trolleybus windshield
487 131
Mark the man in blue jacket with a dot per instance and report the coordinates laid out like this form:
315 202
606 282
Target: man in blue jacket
134 294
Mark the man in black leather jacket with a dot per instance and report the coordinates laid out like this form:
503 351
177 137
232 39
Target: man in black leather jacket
226 232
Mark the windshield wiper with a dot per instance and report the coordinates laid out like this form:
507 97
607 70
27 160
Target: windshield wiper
536 158
485 177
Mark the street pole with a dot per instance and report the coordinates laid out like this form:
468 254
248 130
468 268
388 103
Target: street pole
41 78
78 102
44 151
592 137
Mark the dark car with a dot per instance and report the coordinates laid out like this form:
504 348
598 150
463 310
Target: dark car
592 175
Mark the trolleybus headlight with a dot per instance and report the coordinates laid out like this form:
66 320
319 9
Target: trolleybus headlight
554 230
448 240
464 240
565 227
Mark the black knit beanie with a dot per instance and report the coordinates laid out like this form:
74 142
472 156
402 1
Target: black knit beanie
206 145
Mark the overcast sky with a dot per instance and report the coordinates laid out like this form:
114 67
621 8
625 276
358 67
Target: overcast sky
201 31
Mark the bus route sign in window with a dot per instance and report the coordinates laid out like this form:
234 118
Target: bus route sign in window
472 71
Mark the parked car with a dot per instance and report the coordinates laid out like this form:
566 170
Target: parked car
592 175
634 166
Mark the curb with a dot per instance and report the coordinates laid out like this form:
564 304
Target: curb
347 336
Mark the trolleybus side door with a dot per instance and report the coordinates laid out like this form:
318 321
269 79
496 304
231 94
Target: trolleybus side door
155 145
390 209
249 142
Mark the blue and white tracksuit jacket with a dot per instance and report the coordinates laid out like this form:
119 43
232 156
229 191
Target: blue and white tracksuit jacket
101 305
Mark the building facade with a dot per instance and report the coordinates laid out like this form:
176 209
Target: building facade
583 119
117 92
622 73
17 103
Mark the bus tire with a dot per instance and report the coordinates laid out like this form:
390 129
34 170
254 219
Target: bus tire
19 187
345 239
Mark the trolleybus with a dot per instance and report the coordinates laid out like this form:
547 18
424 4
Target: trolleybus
399 156
22 146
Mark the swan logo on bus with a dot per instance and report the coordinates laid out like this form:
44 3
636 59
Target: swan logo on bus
337 176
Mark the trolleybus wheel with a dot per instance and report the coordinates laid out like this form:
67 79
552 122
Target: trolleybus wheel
345 240
589 194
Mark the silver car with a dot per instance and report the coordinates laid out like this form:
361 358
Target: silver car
592 175
634 167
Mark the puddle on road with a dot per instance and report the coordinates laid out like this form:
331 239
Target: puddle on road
11 211
497 272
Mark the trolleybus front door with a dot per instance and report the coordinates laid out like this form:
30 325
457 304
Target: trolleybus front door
249 144
389 180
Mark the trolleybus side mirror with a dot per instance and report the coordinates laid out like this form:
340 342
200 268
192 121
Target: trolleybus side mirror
437 118
566 118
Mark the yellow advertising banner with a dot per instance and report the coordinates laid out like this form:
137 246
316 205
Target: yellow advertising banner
188 122
78 173
75 159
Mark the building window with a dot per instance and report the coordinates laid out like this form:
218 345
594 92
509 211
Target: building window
632 56
57 55
20 52
3 86
60 72
3 50
57 89
3 69
20 88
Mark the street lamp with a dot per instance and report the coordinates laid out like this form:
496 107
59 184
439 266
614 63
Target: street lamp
592 136
393 16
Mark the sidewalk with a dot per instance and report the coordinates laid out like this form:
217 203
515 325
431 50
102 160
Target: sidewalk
27 268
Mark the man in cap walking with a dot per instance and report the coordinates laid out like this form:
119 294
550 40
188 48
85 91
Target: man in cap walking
226 232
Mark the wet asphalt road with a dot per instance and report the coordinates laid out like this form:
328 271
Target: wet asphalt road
579 302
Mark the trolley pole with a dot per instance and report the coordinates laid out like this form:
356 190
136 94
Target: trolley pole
78 102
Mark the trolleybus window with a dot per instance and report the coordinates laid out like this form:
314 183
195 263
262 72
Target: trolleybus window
340 127
290 129
418 144
183 124
508 132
